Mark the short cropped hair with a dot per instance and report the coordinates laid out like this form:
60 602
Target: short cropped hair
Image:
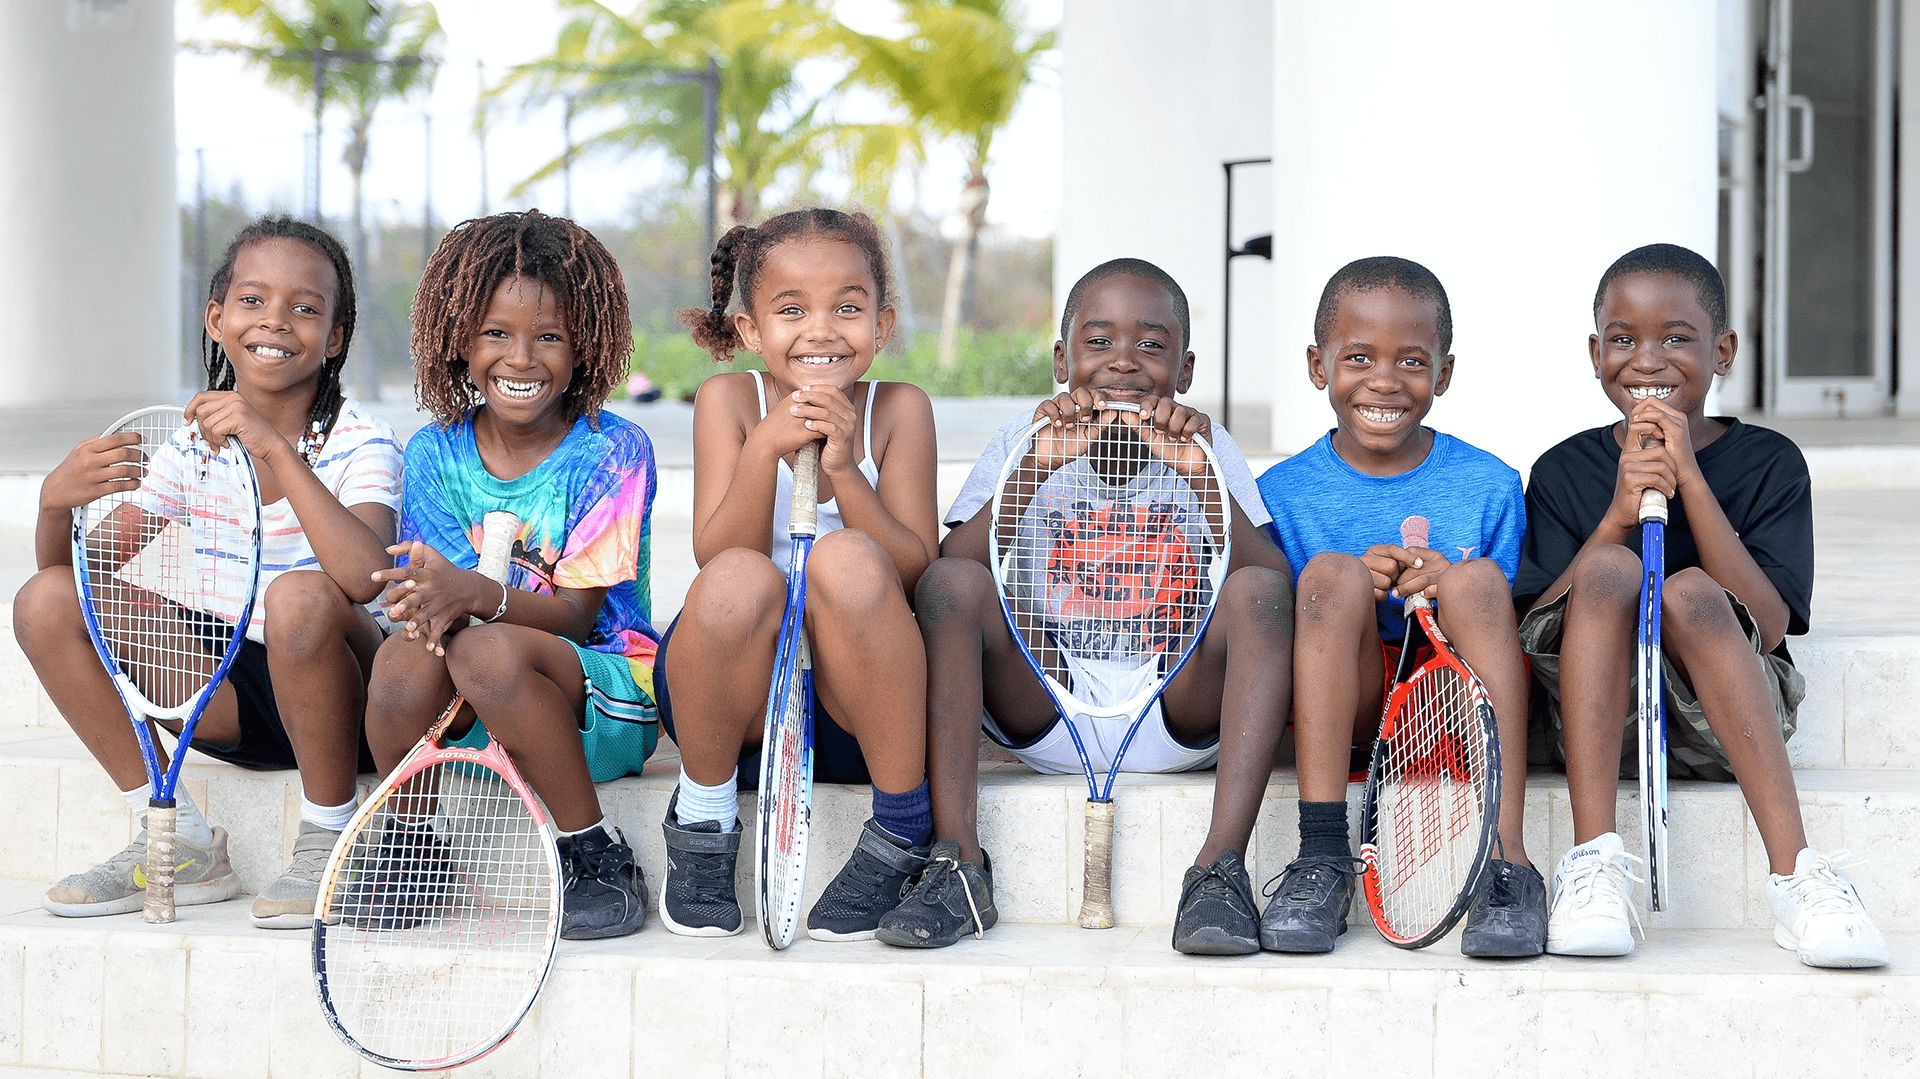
1130 268
1378 272
1687 265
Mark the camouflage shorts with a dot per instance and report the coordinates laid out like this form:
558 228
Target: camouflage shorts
1692 750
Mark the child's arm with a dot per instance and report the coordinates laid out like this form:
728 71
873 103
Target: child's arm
969 539
900 515
97 467
433 598
734 468
350 543
1638 470
1722 555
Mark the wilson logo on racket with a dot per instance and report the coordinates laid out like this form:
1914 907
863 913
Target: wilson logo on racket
1123 571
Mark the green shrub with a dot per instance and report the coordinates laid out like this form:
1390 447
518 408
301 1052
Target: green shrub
989 365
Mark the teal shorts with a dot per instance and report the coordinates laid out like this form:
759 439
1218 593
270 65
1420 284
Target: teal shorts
620 724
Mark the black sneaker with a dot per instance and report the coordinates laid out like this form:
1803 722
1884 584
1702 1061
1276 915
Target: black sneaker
1508 919
603 892
868 886
1309 907
696 895
951 898
1218 914
407 884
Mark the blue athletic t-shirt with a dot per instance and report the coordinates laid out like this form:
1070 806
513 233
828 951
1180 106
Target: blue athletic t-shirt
1470 498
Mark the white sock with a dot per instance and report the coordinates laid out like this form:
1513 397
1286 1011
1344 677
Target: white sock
332 818
720 802
601 823
188 823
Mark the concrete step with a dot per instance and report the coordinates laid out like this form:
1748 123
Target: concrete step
62 815
211 996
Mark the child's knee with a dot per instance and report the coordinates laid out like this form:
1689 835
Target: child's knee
1259 599
849 571
1692 600
1334 585
953 589
44 606
403 672
482 662
305 612
1477 584
737 591
1605 574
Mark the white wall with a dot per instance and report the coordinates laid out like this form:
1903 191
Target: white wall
87 192
1906 202
1155 97
1516 148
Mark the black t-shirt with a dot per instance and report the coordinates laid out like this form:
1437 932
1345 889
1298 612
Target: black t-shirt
1758 476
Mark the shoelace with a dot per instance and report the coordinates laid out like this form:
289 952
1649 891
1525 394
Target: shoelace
134 854
1586 878
309 861
1310 881
942 869
602 863
1501 889
705 878
1821 890
1226 883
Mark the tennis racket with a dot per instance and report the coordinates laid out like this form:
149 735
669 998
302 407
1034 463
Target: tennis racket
1108 548
786 747
166 575
439 909
1431 806
1651 718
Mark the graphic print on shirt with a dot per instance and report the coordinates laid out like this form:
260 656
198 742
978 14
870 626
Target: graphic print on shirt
1121 581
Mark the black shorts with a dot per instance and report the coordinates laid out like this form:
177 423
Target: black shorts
263 744
836 756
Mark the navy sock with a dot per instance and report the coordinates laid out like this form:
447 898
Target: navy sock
908 815
1323 830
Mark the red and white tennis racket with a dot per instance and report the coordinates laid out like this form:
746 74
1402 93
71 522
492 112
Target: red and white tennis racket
1432 802
439 910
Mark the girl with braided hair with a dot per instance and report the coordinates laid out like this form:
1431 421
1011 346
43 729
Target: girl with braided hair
279 319
815 304
520 332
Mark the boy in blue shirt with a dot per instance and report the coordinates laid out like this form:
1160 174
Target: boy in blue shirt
1381 339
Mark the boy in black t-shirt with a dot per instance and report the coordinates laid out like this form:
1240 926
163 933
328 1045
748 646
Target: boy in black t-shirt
1739 553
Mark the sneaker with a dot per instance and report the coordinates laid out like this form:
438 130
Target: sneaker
696 895
1818 915
951 898
1593 910
410 877
119 884
1218 914
871 884
1309 907
288 902
1508 919
604 893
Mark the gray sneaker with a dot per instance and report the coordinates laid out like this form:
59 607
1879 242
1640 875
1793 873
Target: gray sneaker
287 903
119 884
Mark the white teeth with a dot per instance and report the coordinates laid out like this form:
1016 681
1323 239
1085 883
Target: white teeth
1641 393
815 361
1381 415
510 388
270 352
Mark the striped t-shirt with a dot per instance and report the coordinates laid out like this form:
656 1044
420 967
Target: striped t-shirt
359 464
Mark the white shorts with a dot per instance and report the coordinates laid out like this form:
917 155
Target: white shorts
1154 748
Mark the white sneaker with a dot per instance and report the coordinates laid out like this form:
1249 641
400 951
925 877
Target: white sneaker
1818 916
1592 911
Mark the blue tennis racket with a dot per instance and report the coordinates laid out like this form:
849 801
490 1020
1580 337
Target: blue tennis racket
1109 545
1651 717
166 575
786 746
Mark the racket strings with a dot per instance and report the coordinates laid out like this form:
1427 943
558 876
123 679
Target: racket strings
1434 790
169 564
439 931
1111 561
785 831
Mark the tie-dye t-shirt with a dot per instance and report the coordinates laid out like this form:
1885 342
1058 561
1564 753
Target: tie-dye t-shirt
586 514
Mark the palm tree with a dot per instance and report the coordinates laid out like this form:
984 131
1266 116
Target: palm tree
958 71
770 131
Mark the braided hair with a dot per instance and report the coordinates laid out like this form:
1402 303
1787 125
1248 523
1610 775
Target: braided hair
327 398
482 254
738 256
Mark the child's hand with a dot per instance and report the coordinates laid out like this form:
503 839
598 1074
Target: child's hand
431 597
1656 421
224 414
1419 573
824 411
1386 562
1076 418
1649 466
1168 430
109 464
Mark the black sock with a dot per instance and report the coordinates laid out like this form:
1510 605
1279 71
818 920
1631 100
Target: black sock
1323 830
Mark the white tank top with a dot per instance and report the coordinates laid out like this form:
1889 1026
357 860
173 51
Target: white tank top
829 516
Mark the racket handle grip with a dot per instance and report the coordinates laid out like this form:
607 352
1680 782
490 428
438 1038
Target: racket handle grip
1096 898
806 491
158 907
1653 505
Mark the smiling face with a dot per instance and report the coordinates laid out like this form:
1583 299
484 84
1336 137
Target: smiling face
276 322
1655 339
1124 342
521 356
1381 367
814 316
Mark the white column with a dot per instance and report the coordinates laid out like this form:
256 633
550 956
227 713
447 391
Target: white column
1154 98
87 191
1906 201
1516 149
